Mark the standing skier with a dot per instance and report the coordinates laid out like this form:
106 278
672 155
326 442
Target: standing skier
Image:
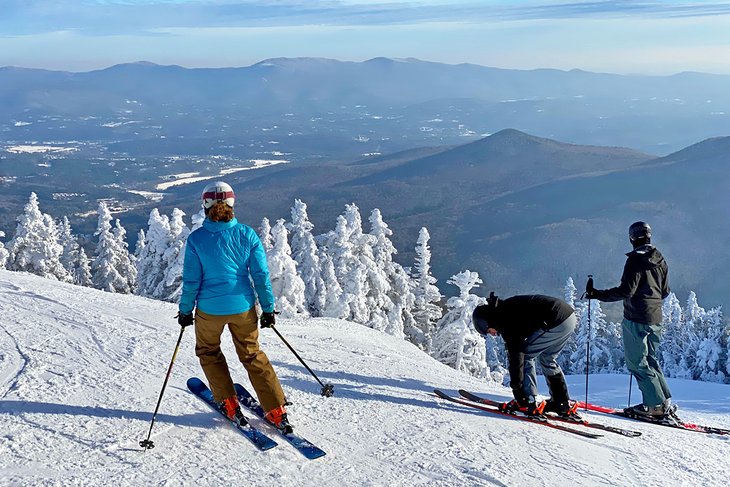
533 327
222 259
644 284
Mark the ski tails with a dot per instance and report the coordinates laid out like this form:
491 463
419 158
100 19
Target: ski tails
494 410
305 447
259 439
674 421
578 420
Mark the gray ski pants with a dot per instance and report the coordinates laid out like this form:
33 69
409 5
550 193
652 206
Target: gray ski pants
545 346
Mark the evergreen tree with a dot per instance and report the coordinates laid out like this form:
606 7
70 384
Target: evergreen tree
305 253
676 335
150 254
426 311
265 235
83 270
456 343
376 254
711 353
170 287
111 269
335 303
4 254
71 252
602 337
286 284
35 247
571 346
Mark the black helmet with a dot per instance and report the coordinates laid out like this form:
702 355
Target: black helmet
483 314
480 319
640 232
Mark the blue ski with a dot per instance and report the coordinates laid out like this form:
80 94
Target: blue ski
305 447
259 439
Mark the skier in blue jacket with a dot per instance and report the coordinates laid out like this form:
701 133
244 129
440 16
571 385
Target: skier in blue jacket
222 260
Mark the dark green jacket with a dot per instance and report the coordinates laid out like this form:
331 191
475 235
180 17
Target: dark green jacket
644 284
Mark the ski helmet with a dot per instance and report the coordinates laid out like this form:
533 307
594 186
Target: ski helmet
639 231
218 191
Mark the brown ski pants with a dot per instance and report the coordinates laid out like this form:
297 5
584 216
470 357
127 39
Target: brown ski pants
245 333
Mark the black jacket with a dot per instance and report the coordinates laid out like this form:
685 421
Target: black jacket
644 284
517 318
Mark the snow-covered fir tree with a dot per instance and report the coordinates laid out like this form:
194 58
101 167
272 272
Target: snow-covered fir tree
83 270
349 271
593 334
335 302
305 253
71 249
112 269
375 251
265 234
170 287
35 247
456 342
426 311
150 253
678 340
4 254
287 286
570 348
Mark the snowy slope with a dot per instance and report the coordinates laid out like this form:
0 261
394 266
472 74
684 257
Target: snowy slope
80 372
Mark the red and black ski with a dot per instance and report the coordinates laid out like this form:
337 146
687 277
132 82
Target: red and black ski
492 410
673 422
578 420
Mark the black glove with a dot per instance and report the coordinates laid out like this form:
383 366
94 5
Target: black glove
267 320
590 291
184 319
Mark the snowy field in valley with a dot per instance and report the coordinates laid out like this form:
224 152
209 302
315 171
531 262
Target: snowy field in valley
81 370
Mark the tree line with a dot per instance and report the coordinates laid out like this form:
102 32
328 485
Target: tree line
351 273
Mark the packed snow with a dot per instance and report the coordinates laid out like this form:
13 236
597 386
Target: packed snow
81 371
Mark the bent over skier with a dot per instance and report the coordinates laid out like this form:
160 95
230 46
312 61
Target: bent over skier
644 284
534 327
222 258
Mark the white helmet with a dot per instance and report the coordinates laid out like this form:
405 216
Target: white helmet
218 191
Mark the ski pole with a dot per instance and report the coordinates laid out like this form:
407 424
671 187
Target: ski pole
588 341
631 382
327 390
147 443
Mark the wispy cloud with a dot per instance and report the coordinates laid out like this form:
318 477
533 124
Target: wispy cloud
114 17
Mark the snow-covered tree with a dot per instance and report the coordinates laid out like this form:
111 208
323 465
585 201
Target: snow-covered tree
286 284
71 253
170 287
35 247
150 254
603 338
375 251
4 254
112 269
335 303
456 343
305 253
426 311
678 339
83 270
349 271
265 234
571 346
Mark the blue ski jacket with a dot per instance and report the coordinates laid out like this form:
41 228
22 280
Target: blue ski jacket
221 261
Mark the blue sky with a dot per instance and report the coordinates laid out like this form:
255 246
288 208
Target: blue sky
651 37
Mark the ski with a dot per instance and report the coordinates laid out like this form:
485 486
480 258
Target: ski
305 447
578 420
259 439
675 423
492 410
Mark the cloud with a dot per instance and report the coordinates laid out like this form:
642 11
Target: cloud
134 17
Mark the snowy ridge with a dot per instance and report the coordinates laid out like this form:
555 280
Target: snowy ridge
80 371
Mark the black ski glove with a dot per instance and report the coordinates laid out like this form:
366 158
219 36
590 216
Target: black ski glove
267 320
590 291
184 319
